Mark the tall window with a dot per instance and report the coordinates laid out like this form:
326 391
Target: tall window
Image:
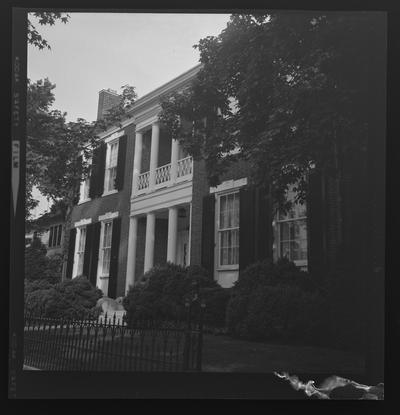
55 233
85 186
111 166
228 229
80 250
291 233
106 249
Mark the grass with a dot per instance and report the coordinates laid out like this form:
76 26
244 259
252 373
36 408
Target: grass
225 354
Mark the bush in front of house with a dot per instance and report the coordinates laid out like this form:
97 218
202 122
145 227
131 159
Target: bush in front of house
75 298
161 293
277 302
38 266
346 295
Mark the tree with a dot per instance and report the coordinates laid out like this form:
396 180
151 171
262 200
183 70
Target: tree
44 18
54 146
290 90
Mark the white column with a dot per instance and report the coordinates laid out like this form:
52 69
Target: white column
172 234
174 160
75 266
131 262
149 246
137 162
155 138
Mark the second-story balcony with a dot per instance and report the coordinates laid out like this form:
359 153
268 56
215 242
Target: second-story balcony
166 175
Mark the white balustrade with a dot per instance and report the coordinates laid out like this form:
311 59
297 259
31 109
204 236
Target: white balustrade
143 181
185 167
163 174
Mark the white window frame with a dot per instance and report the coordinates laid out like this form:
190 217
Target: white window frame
218 231
107 191
302 263
77 251
85 186
100 273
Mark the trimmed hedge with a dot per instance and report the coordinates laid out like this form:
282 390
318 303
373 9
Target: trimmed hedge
277 302
69 299
161 294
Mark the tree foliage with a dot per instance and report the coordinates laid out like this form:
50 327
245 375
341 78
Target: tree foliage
43 18
290 90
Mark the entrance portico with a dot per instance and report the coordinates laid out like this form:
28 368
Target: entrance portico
156 237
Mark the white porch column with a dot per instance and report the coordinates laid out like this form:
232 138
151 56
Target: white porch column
172 234
131 262
149 246
155 138
174 160
137 162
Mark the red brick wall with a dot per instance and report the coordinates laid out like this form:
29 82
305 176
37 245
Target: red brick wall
107 100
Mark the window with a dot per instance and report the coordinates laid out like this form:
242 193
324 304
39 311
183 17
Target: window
105 247
55 233
85 186
291 234
80 252
228 229
111 166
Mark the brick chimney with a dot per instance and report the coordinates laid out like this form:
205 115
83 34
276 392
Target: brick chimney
108 98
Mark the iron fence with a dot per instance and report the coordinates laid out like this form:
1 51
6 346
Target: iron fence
110 344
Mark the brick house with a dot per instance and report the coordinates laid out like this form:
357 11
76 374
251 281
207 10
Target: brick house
148 202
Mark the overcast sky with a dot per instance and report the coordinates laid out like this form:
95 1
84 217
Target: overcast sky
95 51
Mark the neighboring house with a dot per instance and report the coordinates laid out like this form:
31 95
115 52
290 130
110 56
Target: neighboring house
49 228
147 202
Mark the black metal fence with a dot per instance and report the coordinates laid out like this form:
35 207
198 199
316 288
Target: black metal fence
109 344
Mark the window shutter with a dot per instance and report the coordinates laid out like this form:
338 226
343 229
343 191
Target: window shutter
94 257
113 276
88 250
208 236
315 230
50 237
247 221
263 224
71 252
98 168
119 180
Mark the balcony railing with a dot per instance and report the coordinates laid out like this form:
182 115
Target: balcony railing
163 175
185 167
143 181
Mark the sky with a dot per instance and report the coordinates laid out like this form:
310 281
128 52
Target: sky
96 51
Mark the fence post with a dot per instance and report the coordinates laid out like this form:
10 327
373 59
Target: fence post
200 338
186 353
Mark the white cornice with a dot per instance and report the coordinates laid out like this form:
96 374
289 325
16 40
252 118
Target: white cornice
83 222
150 102
228 185
108 215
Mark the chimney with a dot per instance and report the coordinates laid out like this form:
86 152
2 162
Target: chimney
108 98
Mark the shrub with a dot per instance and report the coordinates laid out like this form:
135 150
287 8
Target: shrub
73 298
276 302
40 267
346 300
161 293
31 286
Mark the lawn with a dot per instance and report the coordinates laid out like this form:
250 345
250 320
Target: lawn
224 354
